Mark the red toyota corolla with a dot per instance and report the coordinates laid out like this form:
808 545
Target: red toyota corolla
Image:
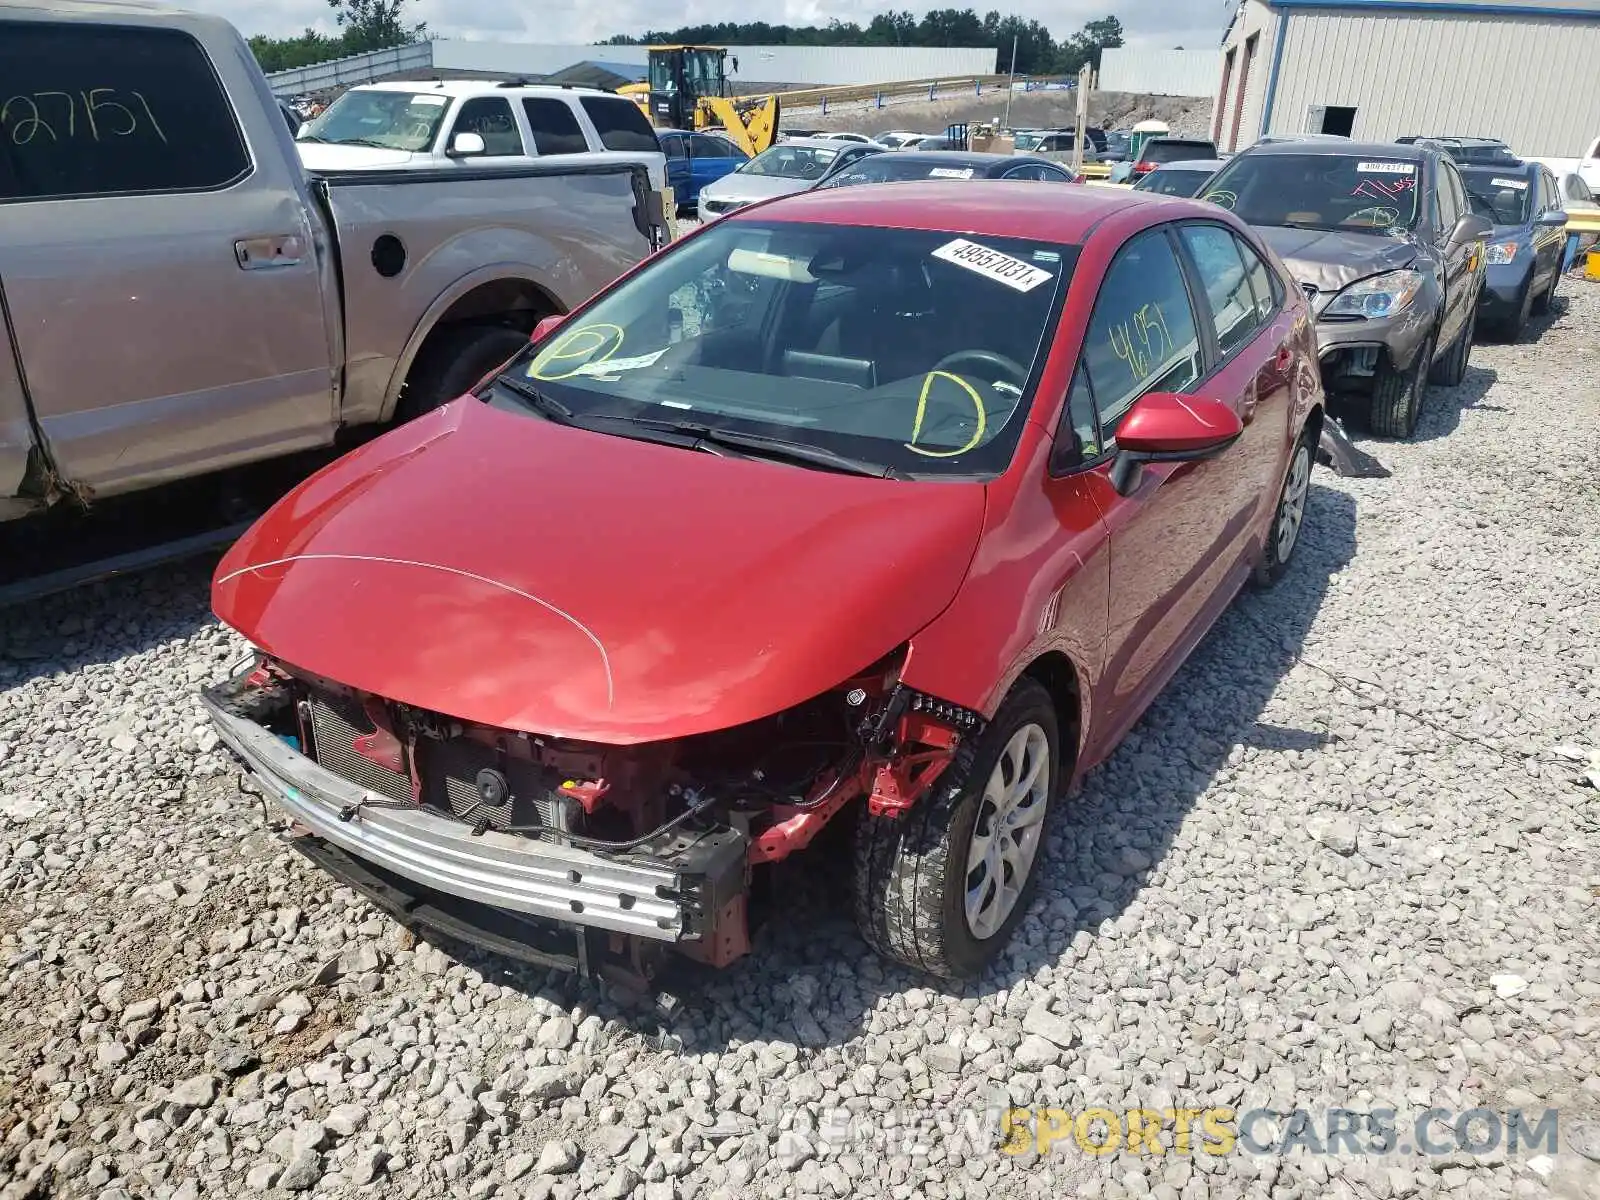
896 504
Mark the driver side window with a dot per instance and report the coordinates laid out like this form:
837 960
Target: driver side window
1141 337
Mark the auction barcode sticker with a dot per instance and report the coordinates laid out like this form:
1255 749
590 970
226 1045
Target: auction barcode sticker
1520 185
1386 168
950 173
430 101
1002 268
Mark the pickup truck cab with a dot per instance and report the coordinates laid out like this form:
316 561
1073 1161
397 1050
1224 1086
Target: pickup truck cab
182 297
1586 166
477 123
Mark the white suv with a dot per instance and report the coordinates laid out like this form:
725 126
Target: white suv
419 124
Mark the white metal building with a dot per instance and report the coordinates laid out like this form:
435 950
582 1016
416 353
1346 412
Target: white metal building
1159 72
1518 70
803 66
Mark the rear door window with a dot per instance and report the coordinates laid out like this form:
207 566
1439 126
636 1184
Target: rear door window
554 126
112 110
1232 303
1142 335
490 117
621 125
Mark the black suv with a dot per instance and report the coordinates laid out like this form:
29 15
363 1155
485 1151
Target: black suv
1383 239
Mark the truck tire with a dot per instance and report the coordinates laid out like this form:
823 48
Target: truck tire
920 898
452 362
1397 396
1283 535
1450 370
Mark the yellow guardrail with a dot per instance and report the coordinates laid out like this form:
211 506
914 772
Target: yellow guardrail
1096 170
1583 220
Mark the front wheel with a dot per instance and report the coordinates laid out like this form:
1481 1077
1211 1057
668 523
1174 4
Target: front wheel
1397 395
943 887
1541 306
1452 368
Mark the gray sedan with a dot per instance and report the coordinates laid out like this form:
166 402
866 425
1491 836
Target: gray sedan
788 167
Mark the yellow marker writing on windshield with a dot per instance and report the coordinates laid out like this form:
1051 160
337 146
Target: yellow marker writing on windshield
922 411
581 345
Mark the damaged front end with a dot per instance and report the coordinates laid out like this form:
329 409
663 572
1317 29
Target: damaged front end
593 858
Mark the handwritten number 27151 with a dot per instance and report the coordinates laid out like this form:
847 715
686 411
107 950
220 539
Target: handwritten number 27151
48 114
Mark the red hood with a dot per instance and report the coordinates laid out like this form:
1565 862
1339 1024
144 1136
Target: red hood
501 569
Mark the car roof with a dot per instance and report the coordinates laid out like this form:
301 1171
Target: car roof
478 87
1191 164
992 207
959 158
1515 166
821 142
1345 149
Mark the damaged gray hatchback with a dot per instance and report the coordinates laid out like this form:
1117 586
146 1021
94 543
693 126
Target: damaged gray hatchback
1384 242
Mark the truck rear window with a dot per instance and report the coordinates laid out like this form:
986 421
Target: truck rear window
1166 150
555 127
621 124
91 110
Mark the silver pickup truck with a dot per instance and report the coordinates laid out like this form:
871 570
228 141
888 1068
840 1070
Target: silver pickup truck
179 296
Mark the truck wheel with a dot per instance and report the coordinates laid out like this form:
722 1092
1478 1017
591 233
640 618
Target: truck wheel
452 362
943 887
1284 533
1452 368
1397 396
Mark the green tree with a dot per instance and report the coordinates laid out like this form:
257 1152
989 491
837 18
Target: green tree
374 25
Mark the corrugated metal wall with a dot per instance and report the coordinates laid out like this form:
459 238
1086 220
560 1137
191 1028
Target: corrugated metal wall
1236 121
1526 80
1160 72
808 65
358 68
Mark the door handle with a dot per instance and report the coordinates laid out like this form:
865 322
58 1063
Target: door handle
266 253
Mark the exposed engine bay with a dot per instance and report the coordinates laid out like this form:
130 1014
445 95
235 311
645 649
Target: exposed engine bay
582 825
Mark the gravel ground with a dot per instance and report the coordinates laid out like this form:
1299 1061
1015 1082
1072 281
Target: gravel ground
1349 858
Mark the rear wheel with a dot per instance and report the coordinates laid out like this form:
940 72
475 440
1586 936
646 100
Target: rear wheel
1397 396
454 361
943 887
1289 518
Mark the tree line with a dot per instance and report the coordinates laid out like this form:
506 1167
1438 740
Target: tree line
1038 51
379 24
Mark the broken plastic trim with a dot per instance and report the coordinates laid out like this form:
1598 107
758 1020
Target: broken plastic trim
1336 450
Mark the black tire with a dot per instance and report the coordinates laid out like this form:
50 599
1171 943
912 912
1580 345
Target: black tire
1513 327
910 874
1281 541
452 362
1397 396
1541 306
1450 370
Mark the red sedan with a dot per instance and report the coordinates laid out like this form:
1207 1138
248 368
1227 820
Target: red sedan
893 504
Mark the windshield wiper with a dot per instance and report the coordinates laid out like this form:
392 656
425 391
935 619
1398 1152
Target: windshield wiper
770 447
545 406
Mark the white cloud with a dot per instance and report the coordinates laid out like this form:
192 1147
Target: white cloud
1151 23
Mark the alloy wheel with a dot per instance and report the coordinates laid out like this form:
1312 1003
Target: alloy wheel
1292 508
1006 834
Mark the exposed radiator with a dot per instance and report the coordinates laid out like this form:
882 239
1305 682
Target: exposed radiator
336 721
524 792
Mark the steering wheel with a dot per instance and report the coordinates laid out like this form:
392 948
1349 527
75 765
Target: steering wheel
1009 368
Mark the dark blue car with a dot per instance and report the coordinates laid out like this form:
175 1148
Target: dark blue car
696 159
1525 249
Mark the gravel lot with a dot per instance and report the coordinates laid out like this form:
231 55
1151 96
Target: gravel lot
1349 858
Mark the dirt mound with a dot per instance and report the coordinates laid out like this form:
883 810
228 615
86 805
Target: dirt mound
1189 116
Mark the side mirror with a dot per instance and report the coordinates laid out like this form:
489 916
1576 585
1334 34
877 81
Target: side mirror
546 326
466 145
1556 218
1471 228
1166 427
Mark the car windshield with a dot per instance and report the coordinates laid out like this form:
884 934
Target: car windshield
1501 197
788 161
1348 192
913 351
391 120
1171 182
891 168
1028 141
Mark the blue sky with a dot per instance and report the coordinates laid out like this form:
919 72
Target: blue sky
1155 23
